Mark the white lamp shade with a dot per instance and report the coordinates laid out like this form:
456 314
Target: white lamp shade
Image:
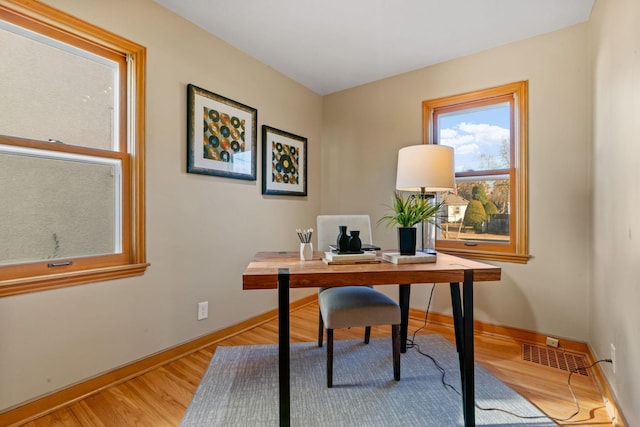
425 166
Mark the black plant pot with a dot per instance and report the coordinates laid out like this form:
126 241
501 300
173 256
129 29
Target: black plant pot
407 240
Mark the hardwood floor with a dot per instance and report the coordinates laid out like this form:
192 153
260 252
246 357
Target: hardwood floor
161 396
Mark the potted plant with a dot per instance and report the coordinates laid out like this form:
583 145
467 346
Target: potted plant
407 212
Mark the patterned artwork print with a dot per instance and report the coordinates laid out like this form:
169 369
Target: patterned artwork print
285 163
223 136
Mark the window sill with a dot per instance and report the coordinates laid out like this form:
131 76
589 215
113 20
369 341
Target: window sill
489 256
53 281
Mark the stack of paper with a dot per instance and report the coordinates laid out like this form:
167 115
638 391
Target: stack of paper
335 258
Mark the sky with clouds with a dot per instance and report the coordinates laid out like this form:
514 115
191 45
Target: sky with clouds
477 136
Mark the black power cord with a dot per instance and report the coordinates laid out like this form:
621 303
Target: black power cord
412 344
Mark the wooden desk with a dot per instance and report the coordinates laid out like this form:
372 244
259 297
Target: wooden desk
284 270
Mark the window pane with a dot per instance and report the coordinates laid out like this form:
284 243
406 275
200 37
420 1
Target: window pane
479 211
58 205
486 215
51 90
479 136
80 202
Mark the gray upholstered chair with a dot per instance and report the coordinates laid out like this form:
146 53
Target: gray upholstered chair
344 307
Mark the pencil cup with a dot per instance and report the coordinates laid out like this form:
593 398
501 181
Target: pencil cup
306 251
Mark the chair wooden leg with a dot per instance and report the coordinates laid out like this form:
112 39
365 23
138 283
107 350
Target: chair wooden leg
320 328
367 334
329 358
395 336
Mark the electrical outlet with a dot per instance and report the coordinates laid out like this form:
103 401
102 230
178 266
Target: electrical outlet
613 358
552 342
203 310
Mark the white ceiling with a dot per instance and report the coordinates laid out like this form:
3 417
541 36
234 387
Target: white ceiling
330 45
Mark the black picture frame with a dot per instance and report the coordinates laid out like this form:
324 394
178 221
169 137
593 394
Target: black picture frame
221 135
284 162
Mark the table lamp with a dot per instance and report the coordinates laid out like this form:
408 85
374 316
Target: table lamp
426 169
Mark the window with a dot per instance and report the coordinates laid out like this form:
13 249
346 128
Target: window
486 214
72 153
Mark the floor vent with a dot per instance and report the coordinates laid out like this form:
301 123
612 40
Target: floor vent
554 358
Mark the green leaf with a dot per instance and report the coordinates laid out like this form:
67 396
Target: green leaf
409 211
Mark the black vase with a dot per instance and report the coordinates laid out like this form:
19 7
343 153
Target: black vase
355 244
407 240
342 243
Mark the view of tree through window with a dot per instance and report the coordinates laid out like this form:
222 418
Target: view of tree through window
481 140
485 216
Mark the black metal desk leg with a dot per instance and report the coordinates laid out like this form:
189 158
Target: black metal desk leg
463 324
404 297
283 347
456 305
467 327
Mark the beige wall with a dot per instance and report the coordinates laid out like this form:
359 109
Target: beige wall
364 127
614 42
201 230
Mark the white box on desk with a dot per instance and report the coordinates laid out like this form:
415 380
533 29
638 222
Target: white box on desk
418 258
363 256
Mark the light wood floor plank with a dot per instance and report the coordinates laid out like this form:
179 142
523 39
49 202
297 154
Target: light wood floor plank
85 415
61 418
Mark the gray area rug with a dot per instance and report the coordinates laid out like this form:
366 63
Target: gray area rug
240 388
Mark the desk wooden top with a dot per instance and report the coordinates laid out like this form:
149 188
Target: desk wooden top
262 272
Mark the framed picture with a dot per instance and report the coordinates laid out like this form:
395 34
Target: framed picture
284 158
221 135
